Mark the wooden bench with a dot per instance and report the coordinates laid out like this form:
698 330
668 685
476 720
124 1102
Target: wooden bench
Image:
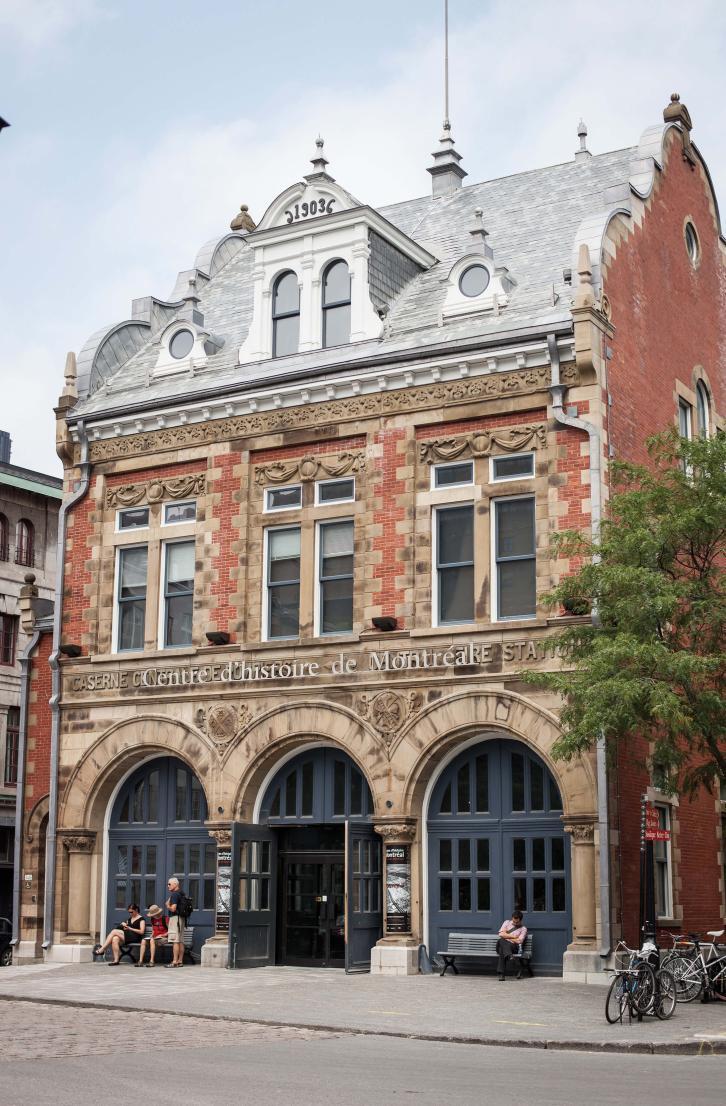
163 949
480 946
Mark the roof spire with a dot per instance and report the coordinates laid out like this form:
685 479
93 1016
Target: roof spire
319 163
583 152
446 172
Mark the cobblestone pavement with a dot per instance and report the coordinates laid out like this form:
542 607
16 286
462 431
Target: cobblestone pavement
38 1031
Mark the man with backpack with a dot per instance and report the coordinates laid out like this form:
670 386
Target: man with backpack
179 908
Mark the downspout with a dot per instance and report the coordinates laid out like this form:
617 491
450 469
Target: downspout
50 847
557 390
25 661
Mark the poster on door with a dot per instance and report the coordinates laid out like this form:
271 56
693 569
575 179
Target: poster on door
224 884
398 889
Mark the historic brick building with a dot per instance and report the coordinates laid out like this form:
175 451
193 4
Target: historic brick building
309 500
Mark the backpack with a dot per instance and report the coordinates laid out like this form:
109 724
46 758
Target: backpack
184 907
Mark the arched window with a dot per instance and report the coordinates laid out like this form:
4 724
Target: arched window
25 543
702 409
285 315
4 537
336 304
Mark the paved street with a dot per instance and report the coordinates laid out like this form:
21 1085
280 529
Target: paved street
538 1012
65 1056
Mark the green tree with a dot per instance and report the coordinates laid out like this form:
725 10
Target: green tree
650 663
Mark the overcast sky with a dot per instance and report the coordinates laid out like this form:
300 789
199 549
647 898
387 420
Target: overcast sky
138 128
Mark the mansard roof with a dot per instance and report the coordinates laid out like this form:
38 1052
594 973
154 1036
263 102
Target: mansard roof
535 222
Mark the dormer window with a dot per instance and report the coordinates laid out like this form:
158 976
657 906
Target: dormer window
336 304
181 344
285 315
474 280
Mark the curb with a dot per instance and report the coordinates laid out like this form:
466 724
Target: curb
650 1048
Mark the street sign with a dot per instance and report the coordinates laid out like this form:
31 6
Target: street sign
653 829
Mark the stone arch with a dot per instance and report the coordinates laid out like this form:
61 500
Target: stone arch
292 726
34 820
119 750
445 724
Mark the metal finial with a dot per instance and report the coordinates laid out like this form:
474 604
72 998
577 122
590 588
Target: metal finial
675 97
447 124
583 152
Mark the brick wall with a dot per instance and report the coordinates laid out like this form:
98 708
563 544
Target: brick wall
37 760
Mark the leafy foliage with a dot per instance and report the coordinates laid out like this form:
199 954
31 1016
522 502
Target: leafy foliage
650 664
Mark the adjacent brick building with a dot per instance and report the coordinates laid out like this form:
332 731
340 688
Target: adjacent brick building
306 537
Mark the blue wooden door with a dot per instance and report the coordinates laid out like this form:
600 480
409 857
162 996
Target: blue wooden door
496 842
157 831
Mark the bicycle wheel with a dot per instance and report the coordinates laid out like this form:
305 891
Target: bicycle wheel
643 989
665 995
688 976
616 1002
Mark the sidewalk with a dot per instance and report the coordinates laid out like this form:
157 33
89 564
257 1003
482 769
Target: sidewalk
532 1013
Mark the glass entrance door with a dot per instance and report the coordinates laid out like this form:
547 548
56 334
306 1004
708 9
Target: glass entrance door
313 911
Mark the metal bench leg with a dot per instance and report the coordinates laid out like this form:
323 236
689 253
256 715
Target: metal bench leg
449 963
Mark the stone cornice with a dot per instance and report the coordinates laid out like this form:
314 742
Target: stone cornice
481 443
154 491
323 402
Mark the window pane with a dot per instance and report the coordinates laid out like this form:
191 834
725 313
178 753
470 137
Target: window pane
284 554
536 785
336 283
684 419
445 855
194 892
149 894
208 894
152 786
483 895
279 498
179 566
482 854
336 325
180 512
264 856
558 854
195 854
538 854
179 615
482 783
558 893
131 624
515 528
124 815
291 795
517 589
336 606
463 801
446 475
356 792
243 894
179 860
151 860
455 535
284 610
210 860
139 801
132 573
507 467
136 860
539 895
121 894
464 855
456 594
197 800
555 800
286 336
244 856
122 864
336 546
445 894
286 295
275 807
264 894
133 518
445 807
334 490
519 854
464 894
517 781
180 805
520 894
307 789
338 787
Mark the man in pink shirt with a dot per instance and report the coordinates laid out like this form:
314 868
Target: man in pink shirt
512 935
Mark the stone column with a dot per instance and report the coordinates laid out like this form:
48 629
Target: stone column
397 951
581 955
215 950
79 845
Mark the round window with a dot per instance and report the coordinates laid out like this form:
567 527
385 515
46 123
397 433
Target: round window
692 245
474 280
181 344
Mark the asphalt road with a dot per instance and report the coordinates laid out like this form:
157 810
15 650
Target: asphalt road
63 1056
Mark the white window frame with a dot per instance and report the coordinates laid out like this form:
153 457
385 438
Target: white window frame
161 620
669 859
317 620
265 619
332 502
494 479
687 408
116 621
494 569
181 521
448 465
132 529
268 510
435 613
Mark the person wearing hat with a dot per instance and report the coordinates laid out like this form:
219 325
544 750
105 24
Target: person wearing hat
159 930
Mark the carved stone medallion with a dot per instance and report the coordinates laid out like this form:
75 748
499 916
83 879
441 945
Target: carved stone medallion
388 711
222 722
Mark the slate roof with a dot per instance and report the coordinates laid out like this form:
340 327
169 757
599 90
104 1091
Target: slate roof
532 219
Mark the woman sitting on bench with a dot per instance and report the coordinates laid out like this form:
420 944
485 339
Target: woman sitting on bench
512 935
128 933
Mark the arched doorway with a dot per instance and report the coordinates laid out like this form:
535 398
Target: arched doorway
496 842
307 877
156 830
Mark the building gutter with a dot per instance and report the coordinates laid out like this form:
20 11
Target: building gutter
25 661
50 846
557 391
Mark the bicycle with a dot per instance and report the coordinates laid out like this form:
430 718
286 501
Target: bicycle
697 974
638 988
